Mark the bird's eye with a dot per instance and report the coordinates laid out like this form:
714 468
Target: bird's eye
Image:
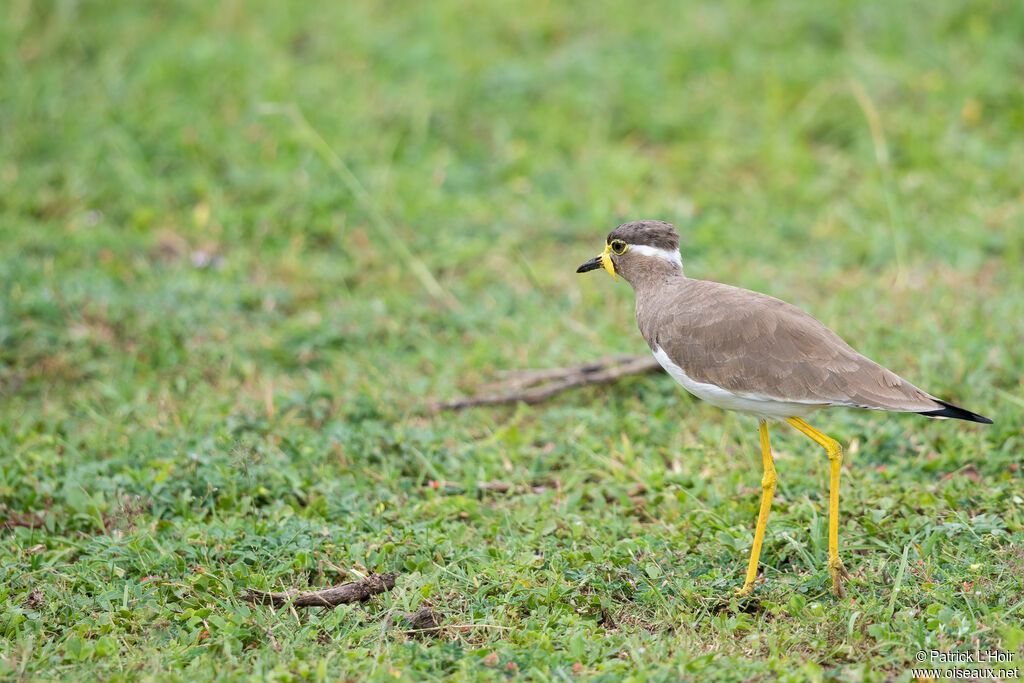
618 246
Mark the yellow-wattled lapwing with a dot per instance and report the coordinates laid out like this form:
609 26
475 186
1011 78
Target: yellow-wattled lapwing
752 353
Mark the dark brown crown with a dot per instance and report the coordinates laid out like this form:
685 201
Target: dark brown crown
652 233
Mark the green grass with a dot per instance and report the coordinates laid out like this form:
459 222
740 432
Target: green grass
218 331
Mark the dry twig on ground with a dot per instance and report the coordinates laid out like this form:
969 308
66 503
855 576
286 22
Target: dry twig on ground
534 386
353 591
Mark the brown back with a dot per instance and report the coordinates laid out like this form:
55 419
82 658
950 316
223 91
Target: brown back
752 343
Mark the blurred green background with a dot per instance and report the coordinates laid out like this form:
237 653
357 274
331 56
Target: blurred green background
245 243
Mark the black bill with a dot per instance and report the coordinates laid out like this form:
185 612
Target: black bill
592 264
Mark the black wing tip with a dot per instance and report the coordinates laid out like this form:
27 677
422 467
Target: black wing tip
957 413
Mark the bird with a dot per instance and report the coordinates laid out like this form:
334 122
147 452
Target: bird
754 354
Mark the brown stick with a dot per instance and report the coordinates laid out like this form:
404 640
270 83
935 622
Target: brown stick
521 379
28 520
353 591
534 386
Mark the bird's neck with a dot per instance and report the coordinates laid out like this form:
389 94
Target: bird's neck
654 277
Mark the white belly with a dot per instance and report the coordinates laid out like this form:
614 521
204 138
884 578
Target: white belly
761 407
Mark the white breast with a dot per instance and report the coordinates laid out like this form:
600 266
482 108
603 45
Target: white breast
761 407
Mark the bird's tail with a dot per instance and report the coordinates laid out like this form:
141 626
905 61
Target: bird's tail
956 412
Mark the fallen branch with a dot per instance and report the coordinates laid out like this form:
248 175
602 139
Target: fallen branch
504 487
353 591
489 486
28 520
534 386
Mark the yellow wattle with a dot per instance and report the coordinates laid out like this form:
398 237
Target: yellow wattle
606 261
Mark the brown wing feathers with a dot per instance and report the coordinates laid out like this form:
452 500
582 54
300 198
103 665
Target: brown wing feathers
754 344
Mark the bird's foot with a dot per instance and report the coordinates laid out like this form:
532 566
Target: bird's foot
839 574
736 600
746 591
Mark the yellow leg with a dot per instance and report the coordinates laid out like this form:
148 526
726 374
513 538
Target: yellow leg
767 491
835 457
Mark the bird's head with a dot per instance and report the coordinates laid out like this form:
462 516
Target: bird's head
638 250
